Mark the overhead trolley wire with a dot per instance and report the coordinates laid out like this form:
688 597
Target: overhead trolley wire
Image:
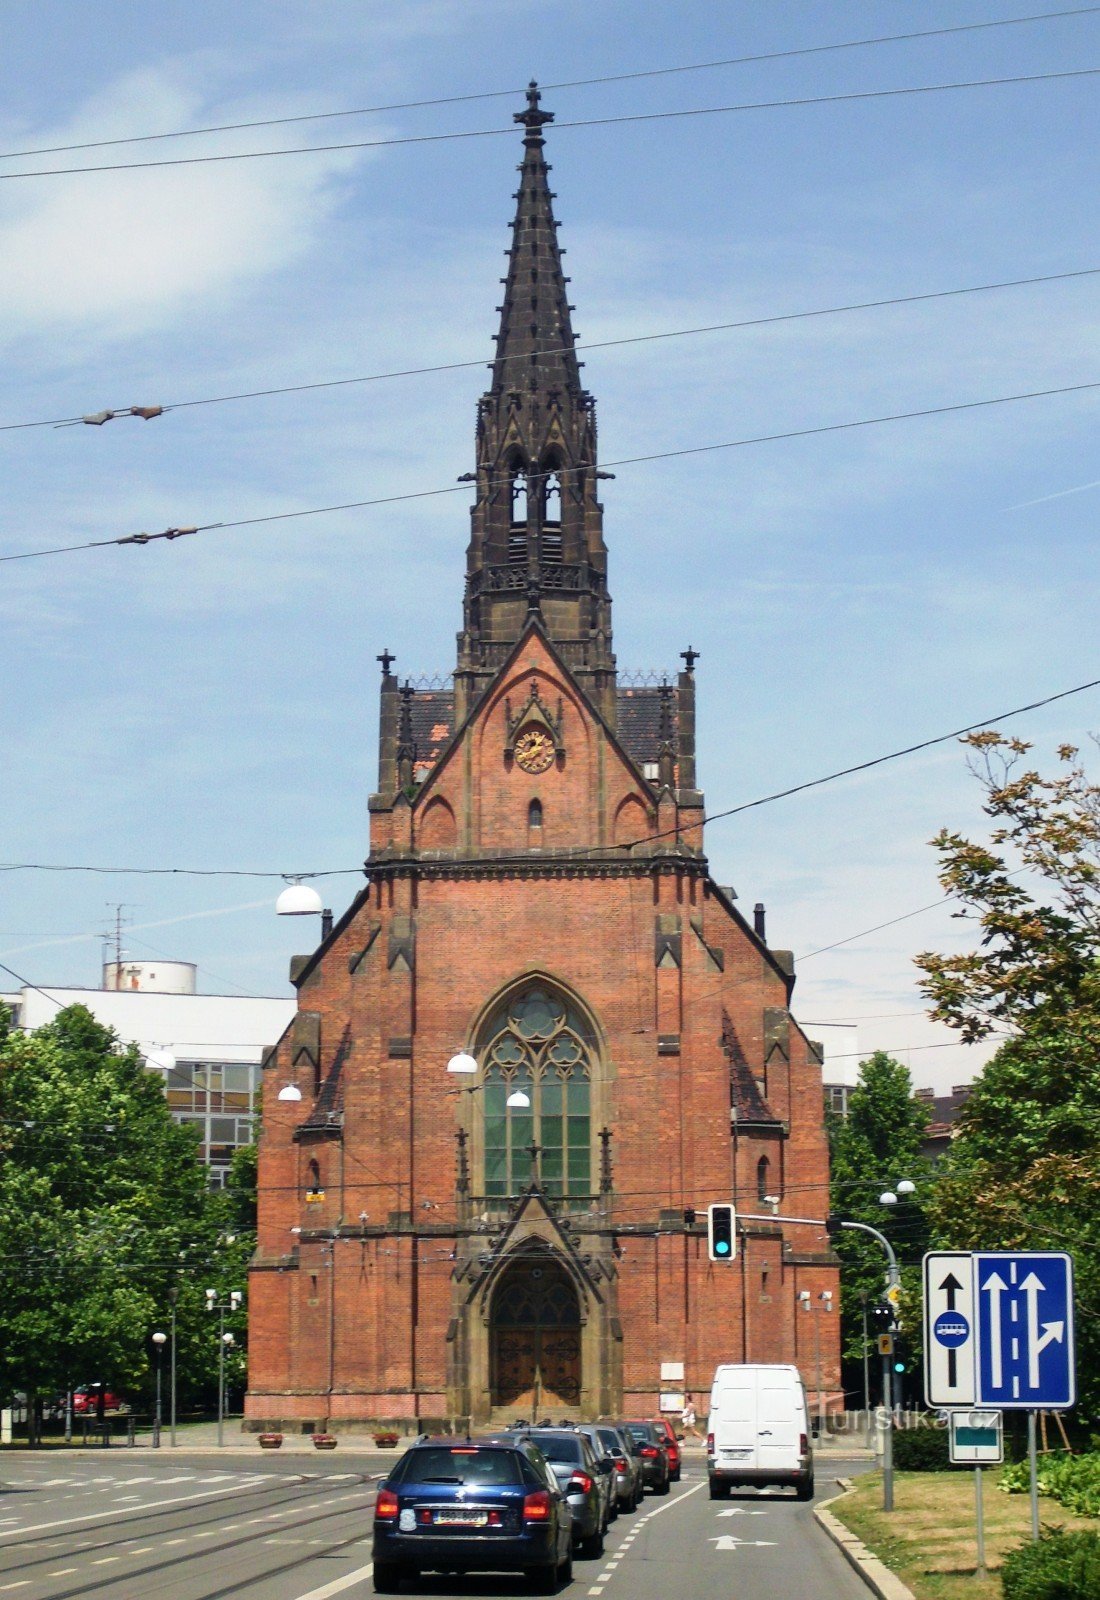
190 530
848 97
565 83
569 349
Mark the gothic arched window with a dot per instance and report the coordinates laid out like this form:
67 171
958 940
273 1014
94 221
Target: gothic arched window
519 496
763 1182
539 1043
551 500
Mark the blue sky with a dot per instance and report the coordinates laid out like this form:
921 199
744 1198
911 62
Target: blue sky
212 702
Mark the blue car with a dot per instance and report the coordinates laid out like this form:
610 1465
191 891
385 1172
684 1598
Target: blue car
479 1505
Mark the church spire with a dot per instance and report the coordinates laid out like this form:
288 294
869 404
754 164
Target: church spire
536 546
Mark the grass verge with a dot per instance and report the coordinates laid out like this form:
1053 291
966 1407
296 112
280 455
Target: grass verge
929 1538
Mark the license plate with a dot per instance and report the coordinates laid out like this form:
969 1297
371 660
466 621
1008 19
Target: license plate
736 1455
463 1519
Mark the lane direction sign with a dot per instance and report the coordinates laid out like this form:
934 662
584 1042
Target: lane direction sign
1025 1330
949 1333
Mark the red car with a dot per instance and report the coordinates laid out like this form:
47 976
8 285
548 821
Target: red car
86 1400
672 1447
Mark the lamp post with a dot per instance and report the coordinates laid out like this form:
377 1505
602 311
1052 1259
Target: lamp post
159 1341
218 1303
173 1296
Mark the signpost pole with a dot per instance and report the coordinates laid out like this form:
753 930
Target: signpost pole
979 1506
1033 1463
887 1439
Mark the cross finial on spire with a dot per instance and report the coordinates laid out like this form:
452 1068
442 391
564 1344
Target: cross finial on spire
533 119
387 661
689 657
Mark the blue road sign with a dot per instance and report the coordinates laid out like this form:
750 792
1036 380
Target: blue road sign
1024 1310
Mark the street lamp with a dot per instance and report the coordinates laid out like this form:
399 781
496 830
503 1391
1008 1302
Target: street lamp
159 1341
173 1296
218 1303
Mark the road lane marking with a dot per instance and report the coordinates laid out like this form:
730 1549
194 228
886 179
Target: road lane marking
104 1561
338 1585
62 1572
149 1505
22 1584
144 1551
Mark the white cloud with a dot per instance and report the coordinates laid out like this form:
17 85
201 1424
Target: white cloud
117 253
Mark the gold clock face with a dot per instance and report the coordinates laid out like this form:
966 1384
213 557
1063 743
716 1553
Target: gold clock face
534 750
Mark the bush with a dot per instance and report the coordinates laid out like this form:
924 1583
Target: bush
921 1450
1062 1566
1072 1480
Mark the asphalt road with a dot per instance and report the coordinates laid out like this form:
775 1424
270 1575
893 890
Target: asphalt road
200 1528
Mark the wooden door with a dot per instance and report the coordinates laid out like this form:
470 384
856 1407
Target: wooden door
536 1339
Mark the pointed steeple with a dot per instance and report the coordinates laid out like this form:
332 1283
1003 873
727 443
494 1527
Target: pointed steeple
536 548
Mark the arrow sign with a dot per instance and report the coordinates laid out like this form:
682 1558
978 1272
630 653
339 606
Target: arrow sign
949 1328
728 1542
1025 1329
741 1511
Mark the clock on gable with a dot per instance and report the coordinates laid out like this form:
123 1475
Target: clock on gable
534 749
534 740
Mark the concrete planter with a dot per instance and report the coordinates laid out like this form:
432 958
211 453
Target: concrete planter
386 1441
270 1441
324 1441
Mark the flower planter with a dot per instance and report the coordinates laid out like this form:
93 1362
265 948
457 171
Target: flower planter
385 1441
270 1441
324 1441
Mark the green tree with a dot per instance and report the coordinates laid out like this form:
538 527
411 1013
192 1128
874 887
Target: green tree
1024 1169
103 1210
872 1149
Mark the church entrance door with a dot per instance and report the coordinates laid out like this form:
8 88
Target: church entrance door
535 1344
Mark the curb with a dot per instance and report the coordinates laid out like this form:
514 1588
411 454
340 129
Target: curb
878 1577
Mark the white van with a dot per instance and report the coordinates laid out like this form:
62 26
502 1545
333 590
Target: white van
758 1430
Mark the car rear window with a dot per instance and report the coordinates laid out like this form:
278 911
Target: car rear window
559 1447
470 1465
642 1431
610 1440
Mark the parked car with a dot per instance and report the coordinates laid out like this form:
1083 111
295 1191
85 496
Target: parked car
483 1505
757 1430
618 1444
605 1459
672 1446
86 1400
585 1481
650 1440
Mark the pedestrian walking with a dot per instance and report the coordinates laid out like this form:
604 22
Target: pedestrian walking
687 1418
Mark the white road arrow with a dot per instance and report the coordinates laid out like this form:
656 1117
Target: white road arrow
996 1286
728 1542
742 1511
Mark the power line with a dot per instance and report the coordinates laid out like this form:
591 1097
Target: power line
581 466
580 855
98 418
848 97
568 83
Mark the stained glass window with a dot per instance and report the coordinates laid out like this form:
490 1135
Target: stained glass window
540 1044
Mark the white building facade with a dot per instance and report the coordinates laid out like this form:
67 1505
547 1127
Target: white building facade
206 1049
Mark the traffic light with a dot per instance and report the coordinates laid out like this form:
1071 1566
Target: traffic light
834 1227
900 1355
721 1232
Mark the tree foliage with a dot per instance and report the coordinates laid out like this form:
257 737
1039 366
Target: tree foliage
104 1212
872 1149
1040 938
1023 1172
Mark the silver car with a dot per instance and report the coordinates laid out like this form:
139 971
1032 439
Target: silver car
617 1444
584 1478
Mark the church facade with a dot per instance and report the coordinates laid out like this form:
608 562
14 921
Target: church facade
527 1236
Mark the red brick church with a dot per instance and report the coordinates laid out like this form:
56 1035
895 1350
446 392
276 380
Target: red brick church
529 1237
